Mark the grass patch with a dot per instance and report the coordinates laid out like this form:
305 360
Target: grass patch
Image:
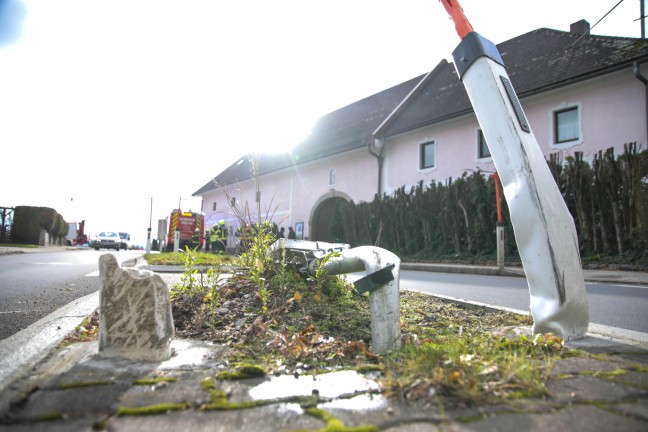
453 352
450 351
272 316
178 258
25 246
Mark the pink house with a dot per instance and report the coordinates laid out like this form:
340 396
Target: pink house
580 92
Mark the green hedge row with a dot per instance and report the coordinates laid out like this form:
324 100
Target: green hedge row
28 222
457 219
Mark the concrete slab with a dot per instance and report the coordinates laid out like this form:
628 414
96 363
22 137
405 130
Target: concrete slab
572 419
591 389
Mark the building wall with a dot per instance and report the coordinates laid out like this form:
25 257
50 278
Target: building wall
612 110
289 196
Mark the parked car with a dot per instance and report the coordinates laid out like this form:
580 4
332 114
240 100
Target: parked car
107 240
125 240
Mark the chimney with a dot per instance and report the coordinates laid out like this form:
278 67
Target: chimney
580 27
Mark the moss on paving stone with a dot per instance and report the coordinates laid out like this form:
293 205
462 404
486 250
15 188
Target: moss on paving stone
243 371
218 399
152 409
333 424
100 425
82 384
51 416
153 381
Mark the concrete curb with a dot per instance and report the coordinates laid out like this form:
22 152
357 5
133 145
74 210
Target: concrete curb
24 349
462 269
591 276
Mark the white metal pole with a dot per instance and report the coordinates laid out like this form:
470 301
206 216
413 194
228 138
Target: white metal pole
148 237
544 229
383 302
176 240
500 246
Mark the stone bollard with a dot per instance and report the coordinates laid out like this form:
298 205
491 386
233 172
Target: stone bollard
135 313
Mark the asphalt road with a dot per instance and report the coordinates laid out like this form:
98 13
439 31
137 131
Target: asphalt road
621 306
33 285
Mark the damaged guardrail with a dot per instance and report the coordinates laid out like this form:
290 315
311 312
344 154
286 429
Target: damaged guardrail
381 282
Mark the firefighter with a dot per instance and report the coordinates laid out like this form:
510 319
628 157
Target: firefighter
222 236
195 239
213 239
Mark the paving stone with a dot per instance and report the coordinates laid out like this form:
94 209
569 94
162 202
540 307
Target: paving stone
93 402
638 357
66 425
603 345
572 419
577 365
588 388
186 388
634 379
638 409
281 417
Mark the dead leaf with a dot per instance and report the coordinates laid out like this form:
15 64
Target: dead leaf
454 376
297 297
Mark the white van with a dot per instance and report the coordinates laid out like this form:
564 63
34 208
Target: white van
125 240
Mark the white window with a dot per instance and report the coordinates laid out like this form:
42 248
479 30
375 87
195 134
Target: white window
214 206
482 148
566 125
427 155
332 177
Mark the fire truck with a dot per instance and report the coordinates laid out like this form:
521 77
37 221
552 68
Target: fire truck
76 234
187 223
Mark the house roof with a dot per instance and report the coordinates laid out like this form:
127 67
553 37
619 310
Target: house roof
536 62
342 130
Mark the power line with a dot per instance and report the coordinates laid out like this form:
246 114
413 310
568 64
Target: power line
597 22
615 6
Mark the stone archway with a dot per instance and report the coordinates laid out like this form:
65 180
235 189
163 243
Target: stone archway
323 226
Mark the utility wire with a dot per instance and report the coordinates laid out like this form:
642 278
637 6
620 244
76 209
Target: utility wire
615 6
597 22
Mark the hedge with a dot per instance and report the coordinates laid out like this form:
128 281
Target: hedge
28 222
608 200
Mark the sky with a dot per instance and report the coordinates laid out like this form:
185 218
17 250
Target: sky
115 112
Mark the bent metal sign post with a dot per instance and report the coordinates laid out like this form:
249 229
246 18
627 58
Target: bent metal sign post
544 229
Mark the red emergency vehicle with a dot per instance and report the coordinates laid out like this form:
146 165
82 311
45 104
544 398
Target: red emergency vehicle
187 223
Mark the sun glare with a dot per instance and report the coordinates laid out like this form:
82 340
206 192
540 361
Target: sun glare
282 137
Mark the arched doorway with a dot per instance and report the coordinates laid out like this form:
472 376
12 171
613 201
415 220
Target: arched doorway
326 223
